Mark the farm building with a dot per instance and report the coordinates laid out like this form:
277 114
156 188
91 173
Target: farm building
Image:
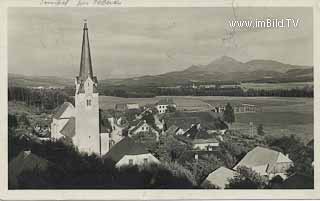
239 108
128 152
219 178
163 105
245 108
266 162
127 106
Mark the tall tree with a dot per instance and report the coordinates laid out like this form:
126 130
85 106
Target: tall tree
260 130
228 114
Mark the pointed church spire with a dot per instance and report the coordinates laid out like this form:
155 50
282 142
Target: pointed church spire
85 64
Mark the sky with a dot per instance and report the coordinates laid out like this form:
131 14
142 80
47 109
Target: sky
127 42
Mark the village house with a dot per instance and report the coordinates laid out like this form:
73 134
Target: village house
205 144
127 106
183 124
266 162
174 130
163 105
219 178
245 108
239 108
25 161
142 127
128 152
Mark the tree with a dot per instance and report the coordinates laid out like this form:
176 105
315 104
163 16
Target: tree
228 114
247 179
23 120
149 118
260 130
12 121
171 108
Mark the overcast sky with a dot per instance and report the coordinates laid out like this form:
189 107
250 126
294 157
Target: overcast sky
139 41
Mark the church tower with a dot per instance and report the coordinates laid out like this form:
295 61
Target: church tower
87 137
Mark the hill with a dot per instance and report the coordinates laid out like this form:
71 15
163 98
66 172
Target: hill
225 69
221 69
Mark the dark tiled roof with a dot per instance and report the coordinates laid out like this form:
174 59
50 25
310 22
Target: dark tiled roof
61 109
24 161
126 146
172 130
196 133
69 128
182 122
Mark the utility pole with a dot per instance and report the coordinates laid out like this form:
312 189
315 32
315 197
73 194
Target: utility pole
251 128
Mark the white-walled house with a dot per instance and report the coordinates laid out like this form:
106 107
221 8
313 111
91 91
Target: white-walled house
128 152
142 127
163 104
205 144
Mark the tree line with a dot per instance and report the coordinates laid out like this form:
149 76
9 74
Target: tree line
147 91
42 99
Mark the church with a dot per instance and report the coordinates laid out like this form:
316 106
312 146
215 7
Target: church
79 124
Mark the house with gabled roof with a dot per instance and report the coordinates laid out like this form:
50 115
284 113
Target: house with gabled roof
219 178
142 127
163 104
24 161
266 162
128 152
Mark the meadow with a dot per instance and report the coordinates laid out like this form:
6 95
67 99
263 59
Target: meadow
266 86
279 115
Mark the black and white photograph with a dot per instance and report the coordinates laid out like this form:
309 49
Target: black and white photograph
212 98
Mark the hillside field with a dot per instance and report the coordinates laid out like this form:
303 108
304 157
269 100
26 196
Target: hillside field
279 115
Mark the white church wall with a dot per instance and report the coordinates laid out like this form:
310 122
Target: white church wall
105 143
87 123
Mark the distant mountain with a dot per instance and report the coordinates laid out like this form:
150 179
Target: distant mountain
225 69
229 65
221 69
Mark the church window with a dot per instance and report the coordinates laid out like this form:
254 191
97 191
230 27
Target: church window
145 161
88 102
130 161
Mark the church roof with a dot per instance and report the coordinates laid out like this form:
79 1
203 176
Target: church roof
85 64
126 146
69 128
61 109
